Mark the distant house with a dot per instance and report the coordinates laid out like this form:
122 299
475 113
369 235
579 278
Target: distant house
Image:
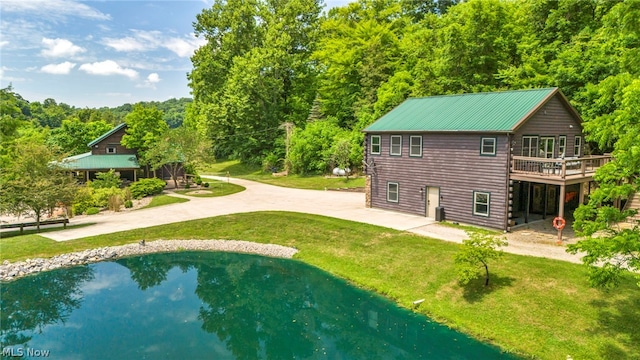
107 152
491 159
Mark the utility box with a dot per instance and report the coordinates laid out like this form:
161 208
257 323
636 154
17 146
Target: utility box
439 213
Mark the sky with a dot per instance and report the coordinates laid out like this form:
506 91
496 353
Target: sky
99 53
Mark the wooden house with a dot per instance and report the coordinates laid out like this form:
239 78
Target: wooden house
491 159
107 152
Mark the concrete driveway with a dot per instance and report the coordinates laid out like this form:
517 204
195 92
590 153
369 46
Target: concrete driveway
264 197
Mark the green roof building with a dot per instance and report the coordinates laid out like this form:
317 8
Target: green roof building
495 159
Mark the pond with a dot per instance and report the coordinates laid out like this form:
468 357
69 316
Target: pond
214 305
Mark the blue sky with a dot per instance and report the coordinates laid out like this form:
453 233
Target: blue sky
99 53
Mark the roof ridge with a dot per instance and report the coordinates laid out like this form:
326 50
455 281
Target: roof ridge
483 93
105 135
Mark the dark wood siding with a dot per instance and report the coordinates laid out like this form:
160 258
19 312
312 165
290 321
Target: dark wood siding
112 140
451 162
552 120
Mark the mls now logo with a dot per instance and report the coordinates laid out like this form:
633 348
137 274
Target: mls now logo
20 352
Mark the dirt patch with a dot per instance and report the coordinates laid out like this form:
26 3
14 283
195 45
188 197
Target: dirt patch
197 192
542 232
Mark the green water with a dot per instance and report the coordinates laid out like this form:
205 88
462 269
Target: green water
202 305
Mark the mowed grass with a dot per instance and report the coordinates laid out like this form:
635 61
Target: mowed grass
534 307
216 188
313 182
161 200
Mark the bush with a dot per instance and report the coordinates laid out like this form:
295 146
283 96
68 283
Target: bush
92 211
83 200
127 194
110 179
187 186
128 204
146 187
206 184
106 198
198 180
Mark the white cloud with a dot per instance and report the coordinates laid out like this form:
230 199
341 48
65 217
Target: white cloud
151 40
60 48
58 69
153 78
151 81
108 67
53 9
3 43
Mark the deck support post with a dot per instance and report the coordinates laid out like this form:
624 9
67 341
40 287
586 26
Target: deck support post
563 190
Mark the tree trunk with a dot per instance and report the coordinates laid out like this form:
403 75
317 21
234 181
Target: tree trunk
486 269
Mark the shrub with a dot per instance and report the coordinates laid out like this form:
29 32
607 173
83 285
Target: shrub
83 200
146 187
102 198
187 186
92 211
127 194
110 179
206 184
128 204
198 180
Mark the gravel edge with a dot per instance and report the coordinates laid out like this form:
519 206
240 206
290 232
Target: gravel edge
12 271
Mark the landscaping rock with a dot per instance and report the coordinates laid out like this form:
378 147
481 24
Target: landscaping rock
11 271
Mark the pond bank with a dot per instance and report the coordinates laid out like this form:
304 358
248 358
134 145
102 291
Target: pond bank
11 271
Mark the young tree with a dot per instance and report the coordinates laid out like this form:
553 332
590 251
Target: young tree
33 184
475 255
179 148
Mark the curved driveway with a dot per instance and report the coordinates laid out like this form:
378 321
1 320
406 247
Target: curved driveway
264 197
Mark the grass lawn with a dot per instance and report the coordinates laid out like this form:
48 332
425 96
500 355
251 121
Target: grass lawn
216 188
534 307
160 200
255 173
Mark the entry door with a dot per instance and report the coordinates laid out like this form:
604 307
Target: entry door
433 201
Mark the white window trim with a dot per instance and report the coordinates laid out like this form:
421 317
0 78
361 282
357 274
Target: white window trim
475 202
577 146
397 192
562 146
494 146
545 140
111 148
411 145
391 145
531 148
379 144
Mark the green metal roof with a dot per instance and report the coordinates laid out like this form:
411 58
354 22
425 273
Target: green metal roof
107 134
87 161
483 112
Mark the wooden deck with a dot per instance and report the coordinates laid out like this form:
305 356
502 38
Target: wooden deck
556 171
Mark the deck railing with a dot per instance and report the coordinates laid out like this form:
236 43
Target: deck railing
558 168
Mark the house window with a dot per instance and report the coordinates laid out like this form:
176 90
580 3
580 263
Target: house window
415 146
481 203
562 146
530 146
577 146
396 145
547 145
392 192
375 144
111 149
488 146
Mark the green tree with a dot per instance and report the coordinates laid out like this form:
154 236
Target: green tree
73 135
311 148
33 184
145 125
612 242
178 149
254 73
475 254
